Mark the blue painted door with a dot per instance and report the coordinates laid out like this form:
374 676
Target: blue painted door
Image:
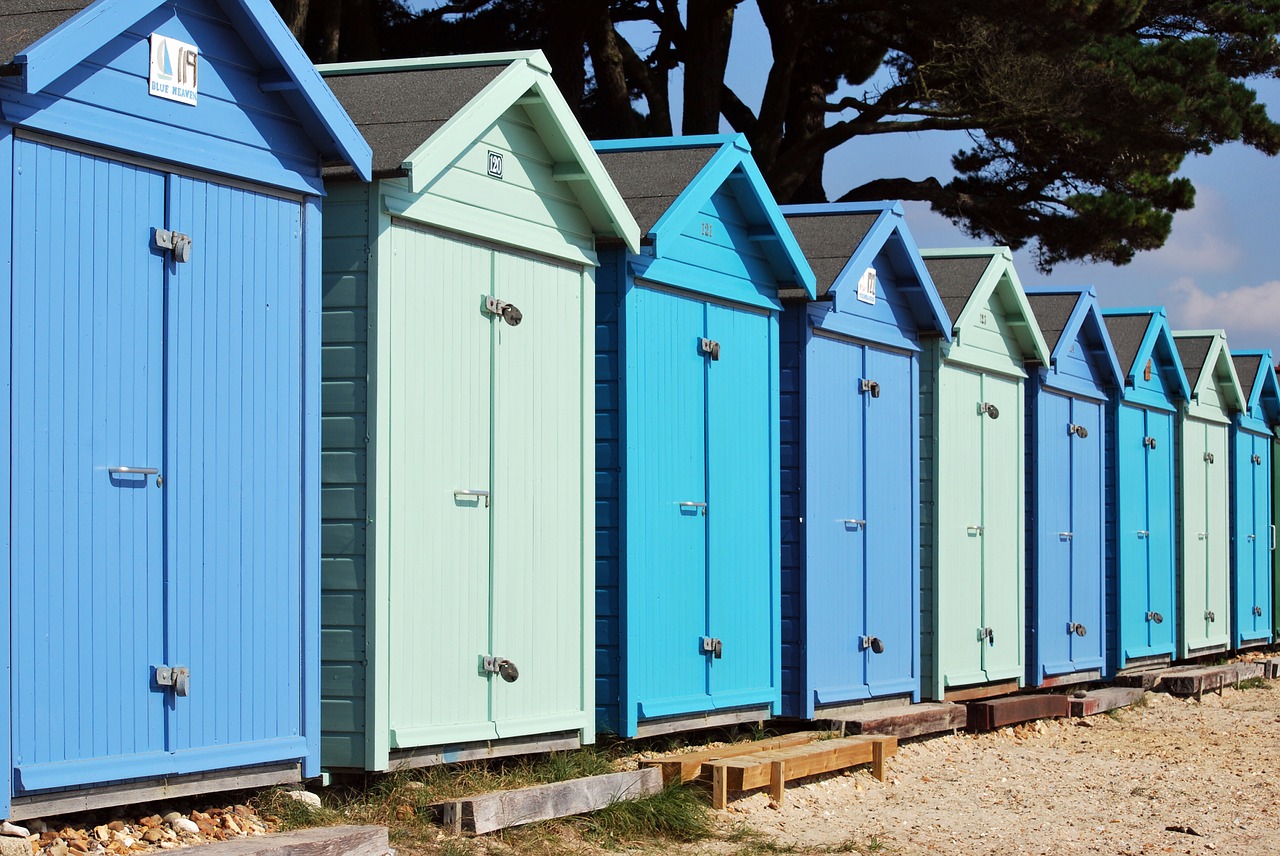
666 506
741 486
192 371
1088 556
1252 532
1056 482
1161 531
892 533
836 538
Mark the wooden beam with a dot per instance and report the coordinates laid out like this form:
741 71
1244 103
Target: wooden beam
909 720
324 841
762 233
276 80
572 171
503 809
981 691
749 772
689 766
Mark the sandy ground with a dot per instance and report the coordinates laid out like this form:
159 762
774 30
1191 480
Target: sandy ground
1107 784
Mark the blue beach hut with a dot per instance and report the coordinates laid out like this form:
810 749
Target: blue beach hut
851 459
1066 488
1253 533
688 553
161 164
1141 502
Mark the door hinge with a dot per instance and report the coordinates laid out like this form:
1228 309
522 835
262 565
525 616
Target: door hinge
713 646
500 666
176 677
710 348
178 244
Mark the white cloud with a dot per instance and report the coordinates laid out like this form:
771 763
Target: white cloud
1249 313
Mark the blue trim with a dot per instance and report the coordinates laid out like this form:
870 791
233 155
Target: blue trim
1263 403
312 318
6 373
1157 330
65 47
694 141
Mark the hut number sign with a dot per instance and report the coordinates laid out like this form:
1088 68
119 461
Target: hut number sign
867 286
174 67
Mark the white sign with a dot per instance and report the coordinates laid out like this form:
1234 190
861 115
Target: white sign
495 164
174 67
867 286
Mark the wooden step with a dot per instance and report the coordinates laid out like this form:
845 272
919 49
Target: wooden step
909 720
325 841
998 712
1146 679
1102 700
1197 680
689 766
502 809
776 767
1271 668
1001 688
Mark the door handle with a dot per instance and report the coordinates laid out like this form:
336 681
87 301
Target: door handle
1203 536
693 506
856 524
976 530
1273 536
473 493
137 471
1251 537
1144 533
1067 535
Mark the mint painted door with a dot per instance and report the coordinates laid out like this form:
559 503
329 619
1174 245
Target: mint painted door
1002 522
537 539
440 359
959 585
740 524
1218 525
1197 628
835 504
667 505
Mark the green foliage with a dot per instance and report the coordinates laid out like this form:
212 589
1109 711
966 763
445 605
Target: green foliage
676 813
292 813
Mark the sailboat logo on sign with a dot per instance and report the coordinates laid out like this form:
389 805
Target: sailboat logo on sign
174 69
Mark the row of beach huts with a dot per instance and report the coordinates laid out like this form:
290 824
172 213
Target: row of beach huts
373 416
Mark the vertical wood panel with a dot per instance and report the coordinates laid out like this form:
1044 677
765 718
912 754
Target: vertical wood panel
1003 523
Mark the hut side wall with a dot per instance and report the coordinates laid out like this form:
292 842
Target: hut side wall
794 333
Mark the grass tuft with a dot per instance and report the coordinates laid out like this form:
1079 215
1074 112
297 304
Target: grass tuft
292 814
676 813
1252 684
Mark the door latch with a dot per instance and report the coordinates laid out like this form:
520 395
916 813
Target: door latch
855 524
871 386
500 666
1149 442
986 408
1156 617
875 643
1066 536
1257 459
710 348
1208 456
1144 533
178 244
1209 616
1079 430
713 646
504 310
987 634
177 677
1257 611
1078 629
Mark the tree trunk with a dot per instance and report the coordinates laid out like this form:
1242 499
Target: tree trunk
359 31
294 13
611 79
566 35
786 22
705 53
327 29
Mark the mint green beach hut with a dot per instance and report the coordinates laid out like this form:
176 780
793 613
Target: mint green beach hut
459 342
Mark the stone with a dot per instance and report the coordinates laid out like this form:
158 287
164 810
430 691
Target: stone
151 822
305 797
14 830
116 825
184 824
14 847
58 848
38 826
171 816
152 835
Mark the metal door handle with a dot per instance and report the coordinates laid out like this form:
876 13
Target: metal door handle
977 530
1203 536
856 524
1144 533
693 505
1156 617
1251 537
1067 535
142 471
475 493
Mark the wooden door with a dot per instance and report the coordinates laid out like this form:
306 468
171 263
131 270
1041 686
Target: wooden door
1266 538
1162 511
1088 552
1197 628
1134 462
1003 523
1055 467
1218 544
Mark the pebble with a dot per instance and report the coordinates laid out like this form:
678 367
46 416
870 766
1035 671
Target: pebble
13 829
185 824
305 797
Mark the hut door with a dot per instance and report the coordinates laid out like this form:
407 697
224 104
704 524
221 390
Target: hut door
1196 534
835 521
1264 543
890 504
741 593
1218 544
538 484
1054 533
1002 523
1088 558
88 396
1161 524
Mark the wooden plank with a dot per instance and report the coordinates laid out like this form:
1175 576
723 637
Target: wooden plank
878 752
503 809
1147 679
719 787
1102 700
914 720
995 713
687 767
981 691
1197 680
748 772
1271 667
777 781
1071 680
324 841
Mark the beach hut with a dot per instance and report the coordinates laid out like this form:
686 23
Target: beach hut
851 459
973 556
688 543
1203 485
458 480
161 165
1252 526
1066 489
1141 501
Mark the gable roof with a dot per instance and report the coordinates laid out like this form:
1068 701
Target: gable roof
1259 382
44 39
1207 360
843 240
420 114
968 277
1140 334
1068 314
695 168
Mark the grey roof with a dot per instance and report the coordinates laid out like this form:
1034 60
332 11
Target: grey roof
1127 333
1193 350
1052 312
22 22
400 110
651 179
1247 370
827 240
956 278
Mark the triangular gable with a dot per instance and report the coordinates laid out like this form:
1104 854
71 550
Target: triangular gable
286 68
998 279
1082 325
730 167
889 234
526 80
1217 368
1154 343
1263 387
